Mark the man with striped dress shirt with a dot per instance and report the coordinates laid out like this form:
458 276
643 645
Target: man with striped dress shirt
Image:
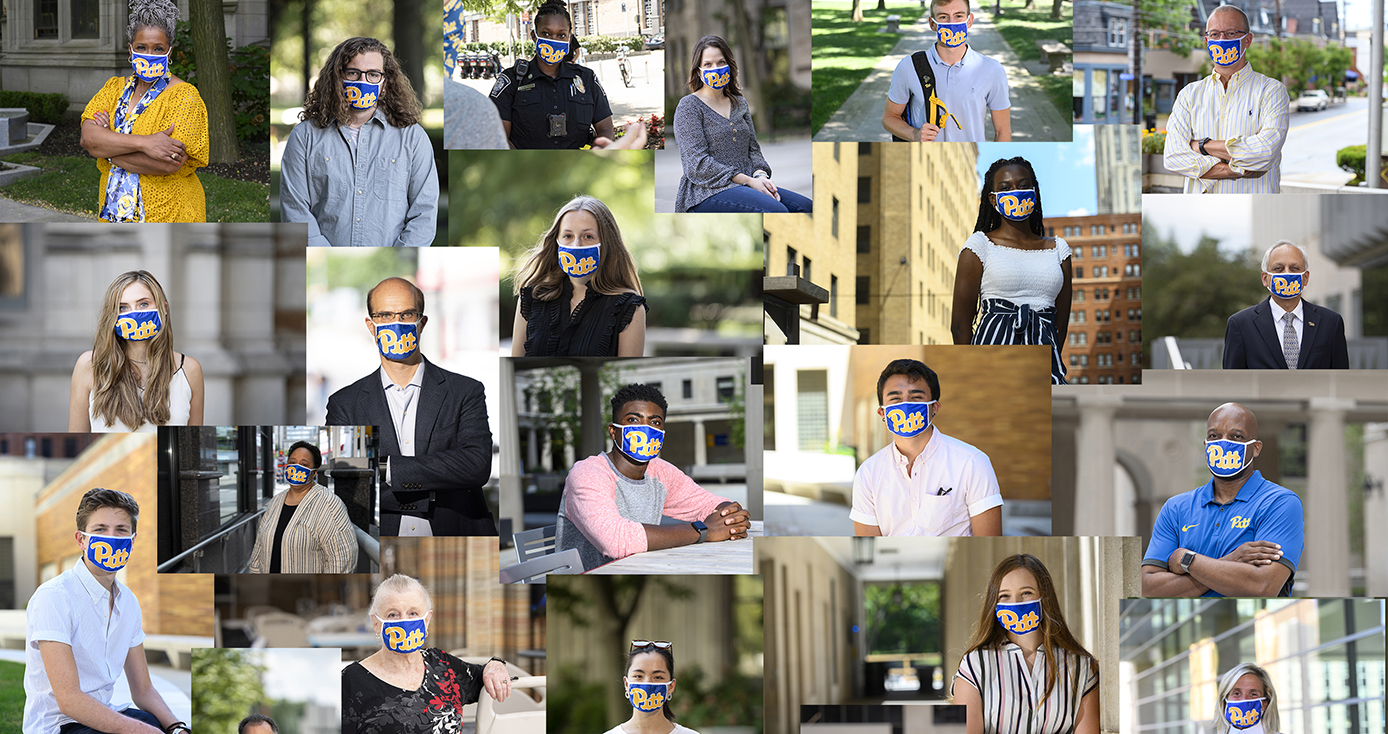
1226 131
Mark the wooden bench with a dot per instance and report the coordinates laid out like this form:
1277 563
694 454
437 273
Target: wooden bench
1053 53
894 24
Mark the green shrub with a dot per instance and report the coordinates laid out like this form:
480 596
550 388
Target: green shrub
45 107
1153 143
250 81
1352 159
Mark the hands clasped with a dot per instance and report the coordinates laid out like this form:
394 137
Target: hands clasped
729 522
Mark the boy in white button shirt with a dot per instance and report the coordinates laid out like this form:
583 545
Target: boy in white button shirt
924 482
85 628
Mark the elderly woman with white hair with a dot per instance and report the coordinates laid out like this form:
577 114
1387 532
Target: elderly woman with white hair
1247 702
404 686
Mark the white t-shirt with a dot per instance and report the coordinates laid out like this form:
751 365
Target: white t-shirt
678 730
947 484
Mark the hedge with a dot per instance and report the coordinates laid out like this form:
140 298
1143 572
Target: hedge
45 107
590 44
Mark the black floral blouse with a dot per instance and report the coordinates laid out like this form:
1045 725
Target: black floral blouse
373 706
591 330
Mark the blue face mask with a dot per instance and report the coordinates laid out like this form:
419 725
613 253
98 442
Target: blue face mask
1226 458
580 262
361 95
639 443
403 635
137 326
1020 618
1243 714
952 34
297 475
551 52
1228 52
717 77
1016 205
1286 285
648 696
109 552
149 67
397 341
908 419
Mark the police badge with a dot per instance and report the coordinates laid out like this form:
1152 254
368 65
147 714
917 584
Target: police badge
501 81
578 84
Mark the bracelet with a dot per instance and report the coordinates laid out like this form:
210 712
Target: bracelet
177 725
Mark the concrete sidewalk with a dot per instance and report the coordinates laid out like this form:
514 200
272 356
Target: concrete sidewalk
792 167
13 211
1034 118
788 514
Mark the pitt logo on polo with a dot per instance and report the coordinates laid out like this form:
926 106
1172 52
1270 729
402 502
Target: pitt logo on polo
393 345
1016 207
1240 522
138 326
111 559
905 423
1287 285
575 266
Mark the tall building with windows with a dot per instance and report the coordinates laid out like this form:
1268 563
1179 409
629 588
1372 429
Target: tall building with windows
1104 342
1118 168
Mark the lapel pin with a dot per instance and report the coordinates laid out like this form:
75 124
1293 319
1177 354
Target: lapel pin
1310 323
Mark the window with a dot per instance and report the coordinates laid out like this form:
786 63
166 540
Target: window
45 18
864 336
791 257
833 296
836 151
1134 336
805 268
725 389
687 389
1074 360
864 189
864 148
865 239
861 283
84 18
7 566
812 409
658 386
69 448
47 450
834 222
1079 296
1079 271
1078 253
1084 360
768 407
1050 231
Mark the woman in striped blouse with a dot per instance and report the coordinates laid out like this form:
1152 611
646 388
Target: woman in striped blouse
1024 673
306 529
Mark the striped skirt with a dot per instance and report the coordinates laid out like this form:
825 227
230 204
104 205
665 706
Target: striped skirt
1004 322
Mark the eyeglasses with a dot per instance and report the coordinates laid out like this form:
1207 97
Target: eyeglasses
1223 35
355 75
386 317
658 644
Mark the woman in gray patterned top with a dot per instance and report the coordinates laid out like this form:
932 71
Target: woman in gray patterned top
724 170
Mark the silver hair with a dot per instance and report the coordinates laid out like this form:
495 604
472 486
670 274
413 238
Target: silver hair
1234 9
160 14
1268 255
1270 720
400 584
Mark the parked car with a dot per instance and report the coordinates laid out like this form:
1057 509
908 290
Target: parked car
655 42
1312 99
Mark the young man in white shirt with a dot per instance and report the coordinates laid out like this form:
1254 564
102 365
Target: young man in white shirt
85 628
923 482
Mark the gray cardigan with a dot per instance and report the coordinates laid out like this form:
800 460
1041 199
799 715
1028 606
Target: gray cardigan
713 149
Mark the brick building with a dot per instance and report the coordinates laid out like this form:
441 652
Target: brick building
1104 345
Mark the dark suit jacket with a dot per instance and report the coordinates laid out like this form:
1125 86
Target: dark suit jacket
1250 341
453 450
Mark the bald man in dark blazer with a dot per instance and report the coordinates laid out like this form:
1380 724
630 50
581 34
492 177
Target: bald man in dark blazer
1285 331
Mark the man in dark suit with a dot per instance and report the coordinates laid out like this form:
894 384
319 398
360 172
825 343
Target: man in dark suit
1285 331
435 441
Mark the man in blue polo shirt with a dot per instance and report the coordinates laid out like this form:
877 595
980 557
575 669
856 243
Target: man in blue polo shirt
1239 535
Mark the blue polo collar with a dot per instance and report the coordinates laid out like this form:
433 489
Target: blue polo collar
934 55
1251 487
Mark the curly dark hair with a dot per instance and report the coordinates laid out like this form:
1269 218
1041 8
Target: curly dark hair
326 106
317 455
914 369
632 393
988 217
696 82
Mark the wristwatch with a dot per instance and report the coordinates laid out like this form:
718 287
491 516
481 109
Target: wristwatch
1202 145
177 726
381 470
703 531
1186 560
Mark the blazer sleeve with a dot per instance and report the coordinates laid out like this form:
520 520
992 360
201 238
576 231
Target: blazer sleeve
338 414
337 540
1339 349
468 465
1234 356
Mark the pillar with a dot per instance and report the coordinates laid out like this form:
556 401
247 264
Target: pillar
1325 561
1094 490
1376 508
547 452
700 443
532 451
591 409
753 439
510 498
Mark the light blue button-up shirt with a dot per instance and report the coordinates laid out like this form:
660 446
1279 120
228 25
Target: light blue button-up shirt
382 191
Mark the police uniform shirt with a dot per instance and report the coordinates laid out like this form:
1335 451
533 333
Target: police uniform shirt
948 483
1261 511
527 103
967 88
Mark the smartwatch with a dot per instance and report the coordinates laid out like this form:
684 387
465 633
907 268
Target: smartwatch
1202 145
703 531
1186 560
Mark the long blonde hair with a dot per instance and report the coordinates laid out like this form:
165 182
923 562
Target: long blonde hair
616 268
1271 721
115 378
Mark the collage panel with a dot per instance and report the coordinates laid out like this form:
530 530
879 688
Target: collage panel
940 719
281 688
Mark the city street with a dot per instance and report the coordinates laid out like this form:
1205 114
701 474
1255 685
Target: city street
645 97
1313 138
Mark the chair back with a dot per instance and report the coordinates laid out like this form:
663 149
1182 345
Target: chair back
535 543
518 714
533 571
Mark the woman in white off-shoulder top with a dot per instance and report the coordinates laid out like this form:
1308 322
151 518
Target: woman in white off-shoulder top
1021 276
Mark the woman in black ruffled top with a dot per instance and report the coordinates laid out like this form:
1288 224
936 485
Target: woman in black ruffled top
579 292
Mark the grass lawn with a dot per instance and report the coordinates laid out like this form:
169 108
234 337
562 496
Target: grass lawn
69 184
1022 28
844 51
11 697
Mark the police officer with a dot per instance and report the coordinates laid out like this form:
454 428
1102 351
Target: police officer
548 101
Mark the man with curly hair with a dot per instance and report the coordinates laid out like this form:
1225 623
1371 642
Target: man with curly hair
613 502
362 173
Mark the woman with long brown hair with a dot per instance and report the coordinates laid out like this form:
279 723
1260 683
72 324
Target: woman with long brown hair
132 380
579 292
1023 671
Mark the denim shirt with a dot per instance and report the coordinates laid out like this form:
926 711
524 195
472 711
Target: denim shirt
381 192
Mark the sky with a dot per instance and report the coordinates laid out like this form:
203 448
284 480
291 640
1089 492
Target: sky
1358 14
303 674
1065 171
1228 219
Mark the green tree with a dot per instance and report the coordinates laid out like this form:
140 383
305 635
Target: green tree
556 392
902 617
208 27
1171 25
227 683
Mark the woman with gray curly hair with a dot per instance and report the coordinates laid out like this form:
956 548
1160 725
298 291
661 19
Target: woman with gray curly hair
148 131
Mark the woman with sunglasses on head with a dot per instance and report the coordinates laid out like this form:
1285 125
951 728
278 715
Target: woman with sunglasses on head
1023 671
650 684
1247 702
132 380
306 529
580 295
724 170
1022 276
404 687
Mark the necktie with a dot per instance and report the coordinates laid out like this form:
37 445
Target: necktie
1291 346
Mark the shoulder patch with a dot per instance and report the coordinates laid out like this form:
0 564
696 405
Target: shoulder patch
501 81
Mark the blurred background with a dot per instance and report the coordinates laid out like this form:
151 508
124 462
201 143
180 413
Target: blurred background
1204 264
1120 453
817 719
42 479
1325 657
821 424
306 31
697 272
289 686
235 293
862 621
215 483
715 625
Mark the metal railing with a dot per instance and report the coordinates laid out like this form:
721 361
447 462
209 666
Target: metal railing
369 545
217 537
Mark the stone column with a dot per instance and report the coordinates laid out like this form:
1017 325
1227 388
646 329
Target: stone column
1094 490
752 444
1376 508
532 449
510 498
591 409
700 443
1325 561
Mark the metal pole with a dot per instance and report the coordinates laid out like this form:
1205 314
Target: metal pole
1371 160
